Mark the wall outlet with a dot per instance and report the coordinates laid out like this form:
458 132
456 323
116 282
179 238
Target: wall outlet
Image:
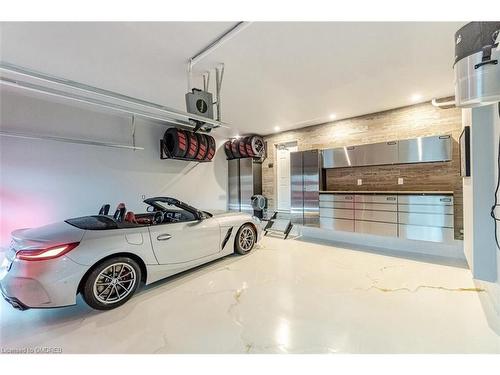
360 182
400 181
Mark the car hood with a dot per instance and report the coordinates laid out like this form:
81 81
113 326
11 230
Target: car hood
48 235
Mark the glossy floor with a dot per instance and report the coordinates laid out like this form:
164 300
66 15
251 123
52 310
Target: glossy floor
286 297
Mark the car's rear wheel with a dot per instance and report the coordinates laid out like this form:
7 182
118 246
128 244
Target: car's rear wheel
245 239
111 283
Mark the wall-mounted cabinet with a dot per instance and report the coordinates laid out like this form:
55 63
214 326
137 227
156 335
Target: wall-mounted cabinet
418 150
425 149
373 154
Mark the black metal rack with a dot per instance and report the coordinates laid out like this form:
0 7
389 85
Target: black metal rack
257 159
164 154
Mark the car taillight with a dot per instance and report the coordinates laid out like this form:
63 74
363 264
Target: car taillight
48 253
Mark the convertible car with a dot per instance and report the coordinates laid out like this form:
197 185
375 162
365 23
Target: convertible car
105 257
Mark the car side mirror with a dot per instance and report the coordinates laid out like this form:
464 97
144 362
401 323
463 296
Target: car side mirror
150 209
200 215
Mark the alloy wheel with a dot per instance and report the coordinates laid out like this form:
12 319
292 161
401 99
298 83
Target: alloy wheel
114 283
246 239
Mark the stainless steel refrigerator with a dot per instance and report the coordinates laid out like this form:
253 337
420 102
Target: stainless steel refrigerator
305 183
245 180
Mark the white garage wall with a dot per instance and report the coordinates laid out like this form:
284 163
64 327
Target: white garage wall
45 181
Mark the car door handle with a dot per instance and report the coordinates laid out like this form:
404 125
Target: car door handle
164 237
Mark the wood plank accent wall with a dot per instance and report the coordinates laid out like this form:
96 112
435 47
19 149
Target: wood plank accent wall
402 123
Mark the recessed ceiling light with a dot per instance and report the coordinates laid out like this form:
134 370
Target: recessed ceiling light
416 98
277 128
333 116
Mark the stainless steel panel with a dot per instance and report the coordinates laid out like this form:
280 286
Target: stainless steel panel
311 166
426 199
234 185
381 229
297 189
422 233
335 158
425 149
373 154
246 185
343 197
337 213
257 178
326 197
426 209
430 220
346 205
337 224
376 198
382 216
376 206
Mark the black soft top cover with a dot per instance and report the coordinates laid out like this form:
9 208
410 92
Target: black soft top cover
96 222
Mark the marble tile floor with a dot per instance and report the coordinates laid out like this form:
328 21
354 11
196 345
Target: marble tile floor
292 296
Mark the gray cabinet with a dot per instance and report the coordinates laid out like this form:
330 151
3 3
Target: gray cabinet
373 154
305 180
244 180
425 149
417 150
403 215
336 158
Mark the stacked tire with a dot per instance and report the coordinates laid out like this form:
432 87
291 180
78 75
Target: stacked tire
187 145
251 146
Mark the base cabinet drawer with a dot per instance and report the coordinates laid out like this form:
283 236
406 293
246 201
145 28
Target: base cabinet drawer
336 213
337 224
326 197
423 233
336 198
380 229
332 204
376 198
426 199
376 206
426 209
383 216
428 220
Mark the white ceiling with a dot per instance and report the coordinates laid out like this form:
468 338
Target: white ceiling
282 74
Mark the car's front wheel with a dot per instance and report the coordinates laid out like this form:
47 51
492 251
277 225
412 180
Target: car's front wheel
111 283
245 239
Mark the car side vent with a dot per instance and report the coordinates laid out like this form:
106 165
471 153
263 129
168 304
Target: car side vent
226 238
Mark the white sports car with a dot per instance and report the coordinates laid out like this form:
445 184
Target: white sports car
105 257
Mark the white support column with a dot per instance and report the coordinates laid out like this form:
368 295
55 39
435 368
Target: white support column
479 193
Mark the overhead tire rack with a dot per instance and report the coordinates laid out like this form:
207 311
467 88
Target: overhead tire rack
32 81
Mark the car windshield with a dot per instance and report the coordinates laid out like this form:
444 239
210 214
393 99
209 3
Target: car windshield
167 206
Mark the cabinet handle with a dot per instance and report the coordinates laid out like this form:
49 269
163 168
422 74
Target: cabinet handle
391 198
445 199
392 143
